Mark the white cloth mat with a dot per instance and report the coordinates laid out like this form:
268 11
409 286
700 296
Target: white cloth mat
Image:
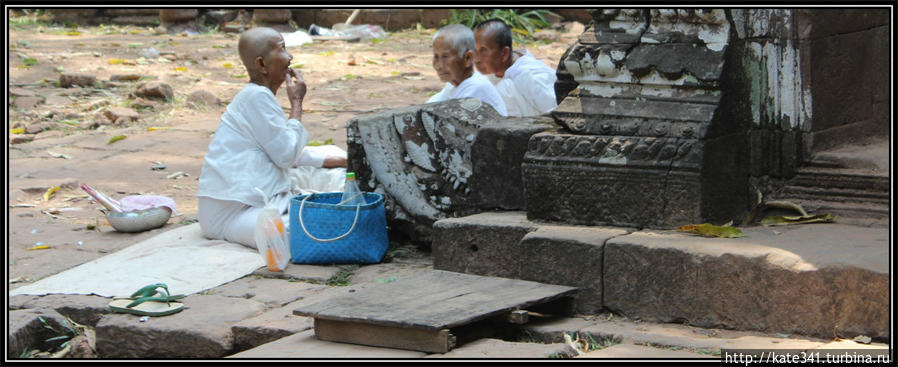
181 258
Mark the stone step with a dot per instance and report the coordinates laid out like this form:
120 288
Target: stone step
496 348
641 351
866 197
201 330
639 339
306 345
816 279
844 192
872 156
873 182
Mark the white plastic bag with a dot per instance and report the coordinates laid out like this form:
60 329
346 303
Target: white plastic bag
366 32
271 240
297 38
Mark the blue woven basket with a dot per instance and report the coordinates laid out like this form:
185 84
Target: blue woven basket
328 233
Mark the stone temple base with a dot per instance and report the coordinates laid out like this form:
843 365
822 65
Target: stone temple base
819 280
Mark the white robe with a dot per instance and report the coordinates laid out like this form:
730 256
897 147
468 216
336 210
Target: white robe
253 146
257 146
528 87
477 86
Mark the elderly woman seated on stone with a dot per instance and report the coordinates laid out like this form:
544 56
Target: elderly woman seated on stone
256 146
453 60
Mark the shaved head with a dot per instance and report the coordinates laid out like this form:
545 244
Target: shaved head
496 30
255 43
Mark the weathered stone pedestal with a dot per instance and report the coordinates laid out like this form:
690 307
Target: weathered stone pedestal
646 142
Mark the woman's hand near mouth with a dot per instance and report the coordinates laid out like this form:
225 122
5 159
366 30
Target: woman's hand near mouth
296 91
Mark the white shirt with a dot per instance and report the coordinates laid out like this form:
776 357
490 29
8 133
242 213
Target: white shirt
528 87
477 86
253 146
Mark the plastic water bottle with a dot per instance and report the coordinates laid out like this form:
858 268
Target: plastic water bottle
352 195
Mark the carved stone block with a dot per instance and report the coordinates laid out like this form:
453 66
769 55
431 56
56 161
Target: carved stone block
568 255
497 154
483 244
581 191
420 158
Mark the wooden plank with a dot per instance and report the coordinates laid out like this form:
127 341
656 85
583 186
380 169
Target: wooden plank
435 300
476 298
431 341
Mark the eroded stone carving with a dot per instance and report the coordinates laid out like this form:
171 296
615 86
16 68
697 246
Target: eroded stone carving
639 122
420 158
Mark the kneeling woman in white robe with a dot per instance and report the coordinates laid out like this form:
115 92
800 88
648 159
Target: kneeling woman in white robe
256 146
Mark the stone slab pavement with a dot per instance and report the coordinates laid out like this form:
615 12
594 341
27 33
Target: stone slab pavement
252 317
306 345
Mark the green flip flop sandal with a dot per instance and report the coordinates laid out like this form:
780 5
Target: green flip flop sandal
147 301
146 308
151 291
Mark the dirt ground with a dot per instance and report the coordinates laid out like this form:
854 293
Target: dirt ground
344 80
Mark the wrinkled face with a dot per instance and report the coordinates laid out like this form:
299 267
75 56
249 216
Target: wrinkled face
448 64
488 57
277 60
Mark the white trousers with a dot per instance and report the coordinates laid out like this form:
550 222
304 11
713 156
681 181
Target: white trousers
234 221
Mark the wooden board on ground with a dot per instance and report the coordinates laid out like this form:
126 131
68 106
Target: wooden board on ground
424 307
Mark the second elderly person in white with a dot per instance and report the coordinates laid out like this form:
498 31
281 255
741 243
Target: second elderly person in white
527 85
453 60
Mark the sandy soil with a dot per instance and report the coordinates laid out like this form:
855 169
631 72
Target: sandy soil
344 80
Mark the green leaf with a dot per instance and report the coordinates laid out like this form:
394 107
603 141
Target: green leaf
30 61
710 230
116 138
785 220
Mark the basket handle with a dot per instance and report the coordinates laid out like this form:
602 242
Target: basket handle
301 224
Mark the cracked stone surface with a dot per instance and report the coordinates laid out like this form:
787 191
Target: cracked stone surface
25 328
482 244
641 351
306 345
271 292
275 323
496 348
568 255
301 272
664 335
749 283
201 330
83 309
